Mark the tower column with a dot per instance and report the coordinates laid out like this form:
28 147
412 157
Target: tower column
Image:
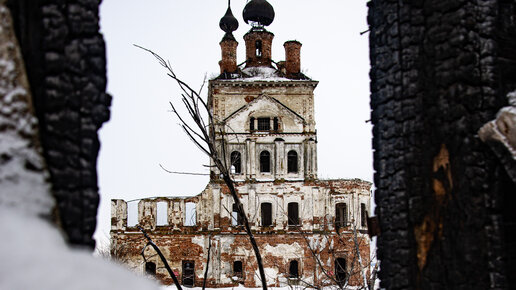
251 158
252 206
280 158
258 47
292 57
228 23
228 63
313 148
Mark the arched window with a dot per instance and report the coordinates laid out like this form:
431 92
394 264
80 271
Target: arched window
293 214
363 215
258 45
340 270
236 162
236 219
293 269
292 161
150 268
266 210
341 216
265 161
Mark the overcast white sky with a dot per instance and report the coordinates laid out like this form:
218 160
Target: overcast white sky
142 132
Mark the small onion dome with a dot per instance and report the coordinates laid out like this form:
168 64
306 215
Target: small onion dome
228 23
259 11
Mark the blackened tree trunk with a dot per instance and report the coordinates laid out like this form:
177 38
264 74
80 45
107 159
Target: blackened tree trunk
440 69
64 54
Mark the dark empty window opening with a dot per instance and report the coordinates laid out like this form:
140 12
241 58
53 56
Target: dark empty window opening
340 271
264 124
265 161
236 219
236 163
188 273
293 269
292 161
150 268
363 214
266 210
276 124
258 45
251 124
341 215
237 268
293 214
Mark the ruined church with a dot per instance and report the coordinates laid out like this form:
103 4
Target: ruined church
309 231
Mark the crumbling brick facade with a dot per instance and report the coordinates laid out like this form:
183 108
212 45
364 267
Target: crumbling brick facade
309 232
186 235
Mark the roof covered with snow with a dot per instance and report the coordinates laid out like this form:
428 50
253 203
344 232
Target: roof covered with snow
260 73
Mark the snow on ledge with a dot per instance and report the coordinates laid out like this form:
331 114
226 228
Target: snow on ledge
261 74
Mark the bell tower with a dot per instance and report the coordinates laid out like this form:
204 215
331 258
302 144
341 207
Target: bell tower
263 110
258 41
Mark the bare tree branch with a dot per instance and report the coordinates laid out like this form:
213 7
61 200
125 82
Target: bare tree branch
207 264
181 172
151 243
206 135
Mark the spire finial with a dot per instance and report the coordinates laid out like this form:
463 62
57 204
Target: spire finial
228 23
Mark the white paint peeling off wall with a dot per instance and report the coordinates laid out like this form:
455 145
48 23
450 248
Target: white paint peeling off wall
287 251
317 242
200 241
270 273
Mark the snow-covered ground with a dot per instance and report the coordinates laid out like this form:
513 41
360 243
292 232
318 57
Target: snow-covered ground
33 251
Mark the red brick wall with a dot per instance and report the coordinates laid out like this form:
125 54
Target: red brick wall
273 247
250 48
229 56
292 57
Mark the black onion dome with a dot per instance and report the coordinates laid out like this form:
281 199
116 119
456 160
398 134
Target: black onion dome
228 23
259 11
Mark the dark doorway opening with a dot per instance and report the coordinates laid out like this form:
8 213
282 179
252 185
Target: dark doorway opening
293 269
237 269
150 268
340 271
188 273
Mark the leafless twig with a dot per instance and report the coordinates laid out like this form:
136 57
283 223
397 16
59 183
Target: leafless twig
202 134
160 254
